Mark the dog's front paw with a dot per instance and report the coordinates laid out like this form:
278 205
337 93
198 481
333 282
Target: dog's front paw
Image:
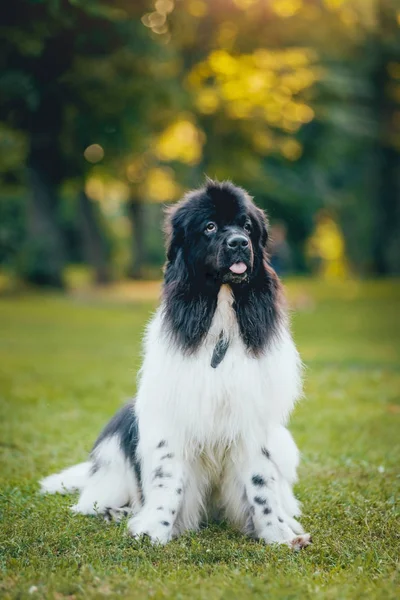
301 541
278 531
149 523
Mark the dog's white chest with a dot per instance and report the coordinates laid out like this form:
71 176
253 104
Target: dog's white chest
207 405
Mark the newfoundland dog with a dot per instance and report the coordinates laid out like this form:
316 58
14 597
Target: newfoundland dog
205 436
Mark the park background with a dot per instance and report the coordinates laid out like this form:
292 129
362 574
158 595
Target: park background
111 110
108 112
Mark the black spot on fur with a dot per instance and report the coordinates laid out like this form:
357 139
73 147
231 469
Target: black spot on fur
269 523
165 523
94 467
160 485
169 455
259 500
179 491
280 520
267 510
266 453
160 508
173 512
158 473
258 480
220 350
162 444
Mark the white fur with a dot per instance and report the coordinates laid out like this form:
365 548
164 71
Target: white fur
70 480
215 423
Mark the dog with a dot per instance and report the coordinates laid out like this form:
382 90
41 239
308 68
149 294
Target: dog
205 436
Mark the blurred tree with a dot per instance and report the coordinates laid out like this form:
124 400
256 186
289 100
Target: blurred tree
74 73
385 46
131 102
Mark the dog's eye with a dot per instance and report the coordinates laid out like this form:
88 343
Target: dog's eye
211 227
247 226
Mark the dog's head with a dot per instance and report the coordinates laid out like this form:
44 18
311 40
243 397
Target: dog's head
218 233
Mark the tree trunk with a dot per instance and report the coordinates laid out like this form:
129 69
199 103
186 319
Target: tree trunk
386 245
136 216
45 255
94 244
44 258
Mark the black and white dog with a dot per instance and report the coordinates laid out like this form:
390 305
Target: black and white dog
206 433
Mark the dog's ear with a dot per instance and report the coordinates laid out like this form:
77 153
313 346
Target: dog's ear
262 223
174 229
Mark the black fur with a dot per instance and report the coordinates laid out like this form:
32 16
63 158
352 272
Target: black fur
258 480
266 453
198 263
124 425
259 500
220 350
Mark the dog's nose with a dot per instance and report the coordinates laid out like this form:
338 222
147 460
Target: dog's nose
237 241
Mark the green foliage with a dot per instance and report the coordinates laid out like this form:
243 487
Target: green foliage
65 366
297 100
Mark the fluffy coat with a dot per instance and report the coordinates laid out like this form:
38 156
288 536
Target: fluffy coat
205 436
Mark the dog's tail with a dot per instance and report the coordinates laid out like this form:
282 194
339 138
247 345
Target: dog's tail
70 480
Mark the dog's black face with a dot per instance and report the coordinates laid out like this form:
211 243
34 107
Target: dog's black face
216 236
219 234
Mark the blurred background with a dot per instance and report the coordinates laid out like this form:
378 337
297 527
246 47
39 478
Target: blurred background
110 110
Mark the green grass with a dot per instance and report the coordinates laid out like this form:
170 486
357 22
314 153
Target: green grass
66 365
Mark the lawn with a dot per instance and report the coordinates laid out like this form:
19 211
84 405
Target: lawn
66 363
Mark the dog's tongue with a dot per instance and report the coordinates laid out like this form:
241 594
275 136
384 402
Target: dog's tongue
238 268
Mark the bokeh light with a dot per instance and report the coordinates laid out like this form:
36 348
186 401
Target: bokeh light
94 153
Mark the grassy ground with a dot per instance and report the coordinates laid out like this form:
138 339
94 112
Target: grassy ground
65 366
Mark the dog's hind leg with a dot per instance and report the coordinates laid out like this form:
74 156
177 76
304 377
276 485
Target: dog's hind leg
117 514
112 481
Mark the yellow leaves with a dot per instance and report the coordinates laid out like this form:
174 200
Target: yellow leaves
136 168
264 85
222 63
298 113
227 34
244 4
326 245
207 101
181 141
349 17
197 8
110 193
286 8
160 185
299 80
335 4
263 142
291 149
353 13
